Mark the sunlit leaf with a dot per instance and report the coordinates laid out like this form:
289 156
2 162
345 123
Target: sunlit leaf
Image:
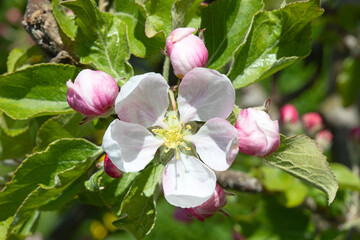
101 40
301 157
36 91
276 40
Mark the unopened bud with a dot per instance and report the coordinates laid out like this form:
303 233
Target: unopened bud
110 169
324 139
215 203
258 134
312 122
288 114
186 51
93 93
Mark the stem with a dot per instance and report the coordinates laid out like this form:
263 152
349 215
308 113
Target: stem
166 68
172 99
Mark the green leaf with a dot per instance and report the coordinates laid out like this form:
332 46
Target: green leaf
60 201
183 11
44 175
17 58
301 157
226 23
140 45
158 16
345 177
101 40
63 126
66 23
138 212
113 190
13 127
36 91
15 147
93 184
276 40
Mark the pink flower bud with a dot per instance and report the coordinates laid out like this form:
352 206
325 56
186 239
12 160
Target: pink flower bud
110 169
93 93
186 51
312 122
288 114
215 203
324 139
258 134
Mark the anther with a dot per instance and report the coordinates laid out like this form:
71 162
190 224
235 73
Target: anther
188 126
188 148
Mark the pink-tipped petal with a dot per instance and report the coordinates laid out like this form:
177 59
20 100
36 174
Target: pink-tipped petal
187 182
217 143
129 146
177 35
205 94
143 100
258 134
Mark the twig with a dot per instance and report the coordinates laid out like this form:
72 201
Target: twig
40 23
239 181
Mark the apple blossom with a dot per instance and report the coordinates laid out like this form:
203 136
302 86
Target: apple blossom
186 51
93 93
258 134
312 122
288 114
145 125
210 207
110 169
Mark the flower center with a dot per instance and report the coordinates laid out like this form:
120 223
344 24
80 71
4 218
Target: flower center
173 136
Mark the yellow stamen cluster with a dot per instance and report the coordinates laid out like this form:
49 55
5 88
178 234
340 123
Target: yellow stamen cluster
173 136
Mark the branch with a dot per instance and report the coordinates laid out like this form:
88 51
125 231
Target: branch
40 23
239 181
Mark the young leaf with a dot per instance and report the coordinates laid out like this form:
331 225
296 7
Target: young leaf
183 11
36 91
226 23
65 22
44 175
138 212
276 40
301 157
140 45
101 40
93 184
18 57
158 16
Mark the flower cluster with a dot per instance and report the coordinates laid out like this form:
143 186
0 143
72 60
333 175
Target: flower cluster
311 124
194 135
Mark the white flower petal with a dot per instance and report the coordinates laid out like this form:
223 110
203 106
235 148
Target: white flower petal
187 182
217 143
129 146
143 100
205 94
